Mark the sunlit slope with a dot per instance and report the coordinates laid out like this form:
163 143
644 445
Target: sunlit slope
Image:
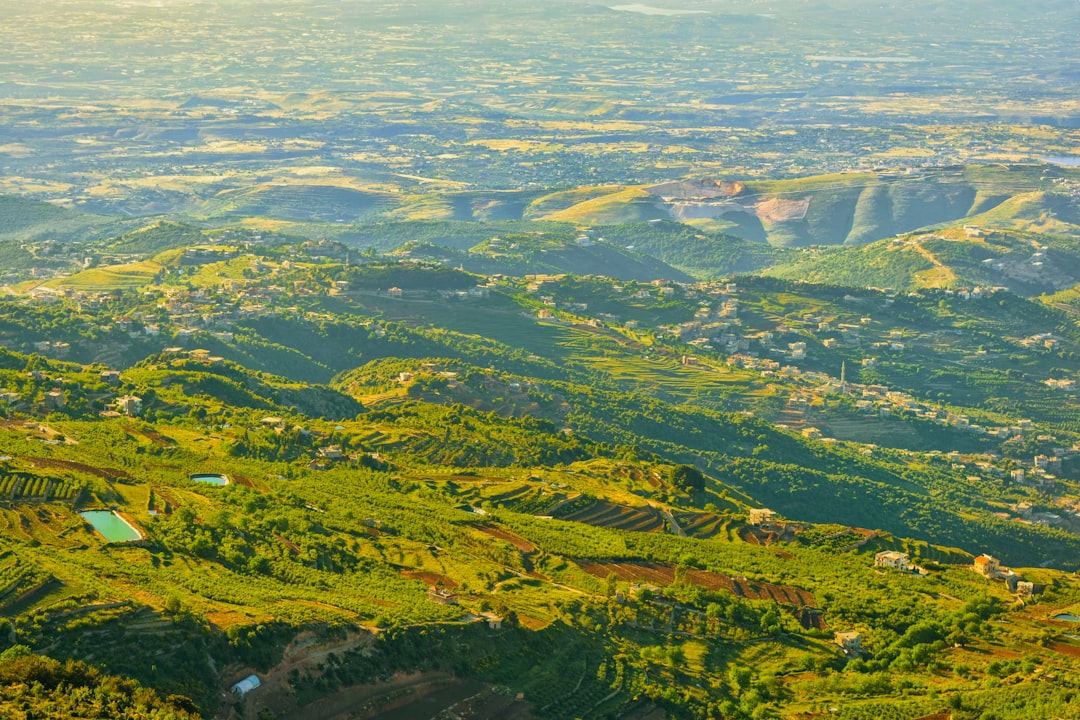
325 203
24 219
564 199
469 206
839 209
1027 244
550 257
622 206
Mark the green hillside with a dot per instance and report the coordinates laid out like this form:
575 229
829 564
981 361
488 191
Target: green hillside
31 229
535 493
1026 262
735 230
479 360
565 199
622 206
302 203
153 239
700 254
20 215
842 209
545 254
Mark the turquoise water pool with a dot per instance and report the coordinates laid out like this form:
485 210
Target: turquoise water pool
111 526
1067 617
210 478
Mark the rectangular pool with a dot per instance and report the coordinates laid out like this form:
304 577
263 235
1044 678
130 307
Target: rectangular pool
111 526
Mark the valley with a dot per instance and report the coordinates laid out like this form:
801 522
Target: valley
370 360
414 454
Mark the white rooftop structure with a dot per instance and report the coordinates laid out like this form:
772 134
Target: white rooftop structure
246 685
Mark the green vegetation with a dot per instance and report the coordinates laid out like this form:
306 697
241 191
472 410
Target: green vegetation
585 477
564 361
32 687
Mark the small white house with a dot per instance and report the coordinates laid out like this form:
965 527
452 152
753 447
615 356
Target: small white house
130 405
892 559
762 516
246 685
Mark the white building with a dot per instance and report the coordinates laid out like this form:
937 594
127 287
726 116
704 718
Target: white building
761 516
130 405
246 685
892 559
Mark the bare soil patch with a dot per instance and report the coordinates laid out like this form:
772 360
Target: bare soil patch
660 574
776 210
430 578
246 482
516 540
156 438
1065 649
57 464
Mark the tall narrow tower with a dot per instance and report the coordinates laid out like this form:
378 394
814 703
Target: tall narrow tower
843 377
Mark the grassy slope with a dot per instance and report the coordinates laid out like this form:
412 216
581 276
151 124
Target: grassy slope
320 560
628 205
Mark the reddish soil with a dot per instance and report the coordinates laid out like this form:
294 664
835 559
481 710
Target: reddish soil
293 548
749 536
1065 649
246 482
809 617
758 536
430 578
54 463
156 437
516 540
405 697
401 697
610 515
380 603
523 546
302 655
165 495
665 574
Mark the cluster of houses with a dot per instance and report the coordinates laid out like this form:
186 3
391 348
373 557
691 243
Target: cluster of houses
717 326
56 396
985 565
326 456
990 568
850 641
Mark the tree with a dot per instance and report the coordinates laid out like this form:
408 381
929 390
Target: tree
13 652
687 478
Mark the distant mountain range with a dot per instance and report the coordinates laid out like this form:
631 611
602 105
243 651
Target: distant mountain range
1003 226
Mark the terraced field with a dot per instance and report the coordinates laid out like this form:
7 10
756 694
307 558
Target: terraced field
516 540
707 525
609 515
660 574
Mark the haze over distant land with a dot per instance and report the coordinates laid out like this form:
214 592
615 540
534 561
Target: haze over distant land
556 360
146 107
